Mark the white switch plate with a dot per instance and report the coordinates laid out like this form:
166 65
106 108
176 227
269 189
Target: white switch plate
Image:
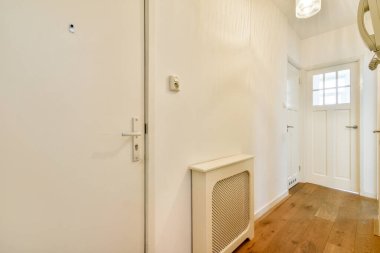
174 84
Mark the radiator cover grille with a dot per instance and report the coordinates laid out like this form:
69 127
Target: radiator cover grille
230 210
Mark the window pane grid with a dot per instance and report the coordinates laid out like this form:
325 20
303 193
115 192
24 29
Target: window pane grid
332 88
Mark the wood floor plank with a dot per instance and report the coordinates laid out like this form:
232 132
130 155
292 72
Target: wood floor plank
343 233
288 239
292 234
365 241
376 243
365 227
316 219
331 248
330 205
315 238
270 226
296 188
364 244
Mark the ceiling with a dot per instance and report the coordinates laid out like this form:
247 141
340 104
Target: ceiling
334 14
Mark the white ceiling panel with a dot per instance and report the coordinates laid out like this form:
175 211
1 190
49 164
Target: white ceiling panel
334 14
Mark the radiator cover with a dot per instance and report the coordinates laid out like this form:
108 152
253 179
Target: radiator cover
222 198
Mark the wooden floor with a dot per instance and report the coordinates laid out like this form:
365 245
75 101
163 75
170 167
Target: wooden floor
317 219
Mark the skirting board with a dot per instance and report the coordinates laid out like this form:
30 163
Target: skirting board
274 203
368 195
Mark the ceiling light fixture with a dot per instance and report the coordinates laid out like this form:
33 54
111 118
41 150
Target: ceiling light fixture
307 8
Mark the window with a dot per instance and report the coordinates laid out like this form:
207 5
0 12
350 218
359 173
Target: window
332 88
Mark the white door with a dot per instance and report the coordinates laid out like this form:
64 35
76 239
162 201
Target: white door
293 126
68 182
333 127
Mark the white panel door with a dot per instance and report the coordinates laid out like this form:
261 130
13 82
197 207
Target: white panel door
67 179
293 126
333 127
319 147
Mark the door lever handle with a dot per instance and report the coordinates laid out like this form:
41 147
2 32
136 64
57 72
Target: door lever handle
352 127
287 128
376 131
136 140
133 134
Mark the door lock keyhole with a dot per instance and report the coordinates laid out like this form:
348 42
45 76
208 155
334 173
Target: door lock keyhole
72 28
136 147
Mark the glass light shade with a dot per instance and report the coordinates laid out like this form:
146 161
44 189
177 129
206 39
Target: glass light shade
307 8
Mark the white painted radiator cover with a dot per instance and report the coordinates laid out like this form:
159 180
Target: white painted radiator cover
222 204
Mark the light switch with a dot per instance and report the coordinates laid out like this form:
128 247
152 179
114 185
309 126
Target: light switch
174 84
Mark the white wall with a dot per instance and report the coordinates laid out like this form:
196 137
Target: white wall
294 47
344 45
337 46
231 59
368 118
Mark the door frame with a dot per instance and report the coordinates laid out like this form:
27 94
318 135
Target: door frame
146 118
299 110
308 108
149 112
378 138
377 218
146 111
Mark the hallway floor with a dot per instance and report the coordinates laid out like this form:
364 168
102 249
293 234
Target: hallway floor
317 219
